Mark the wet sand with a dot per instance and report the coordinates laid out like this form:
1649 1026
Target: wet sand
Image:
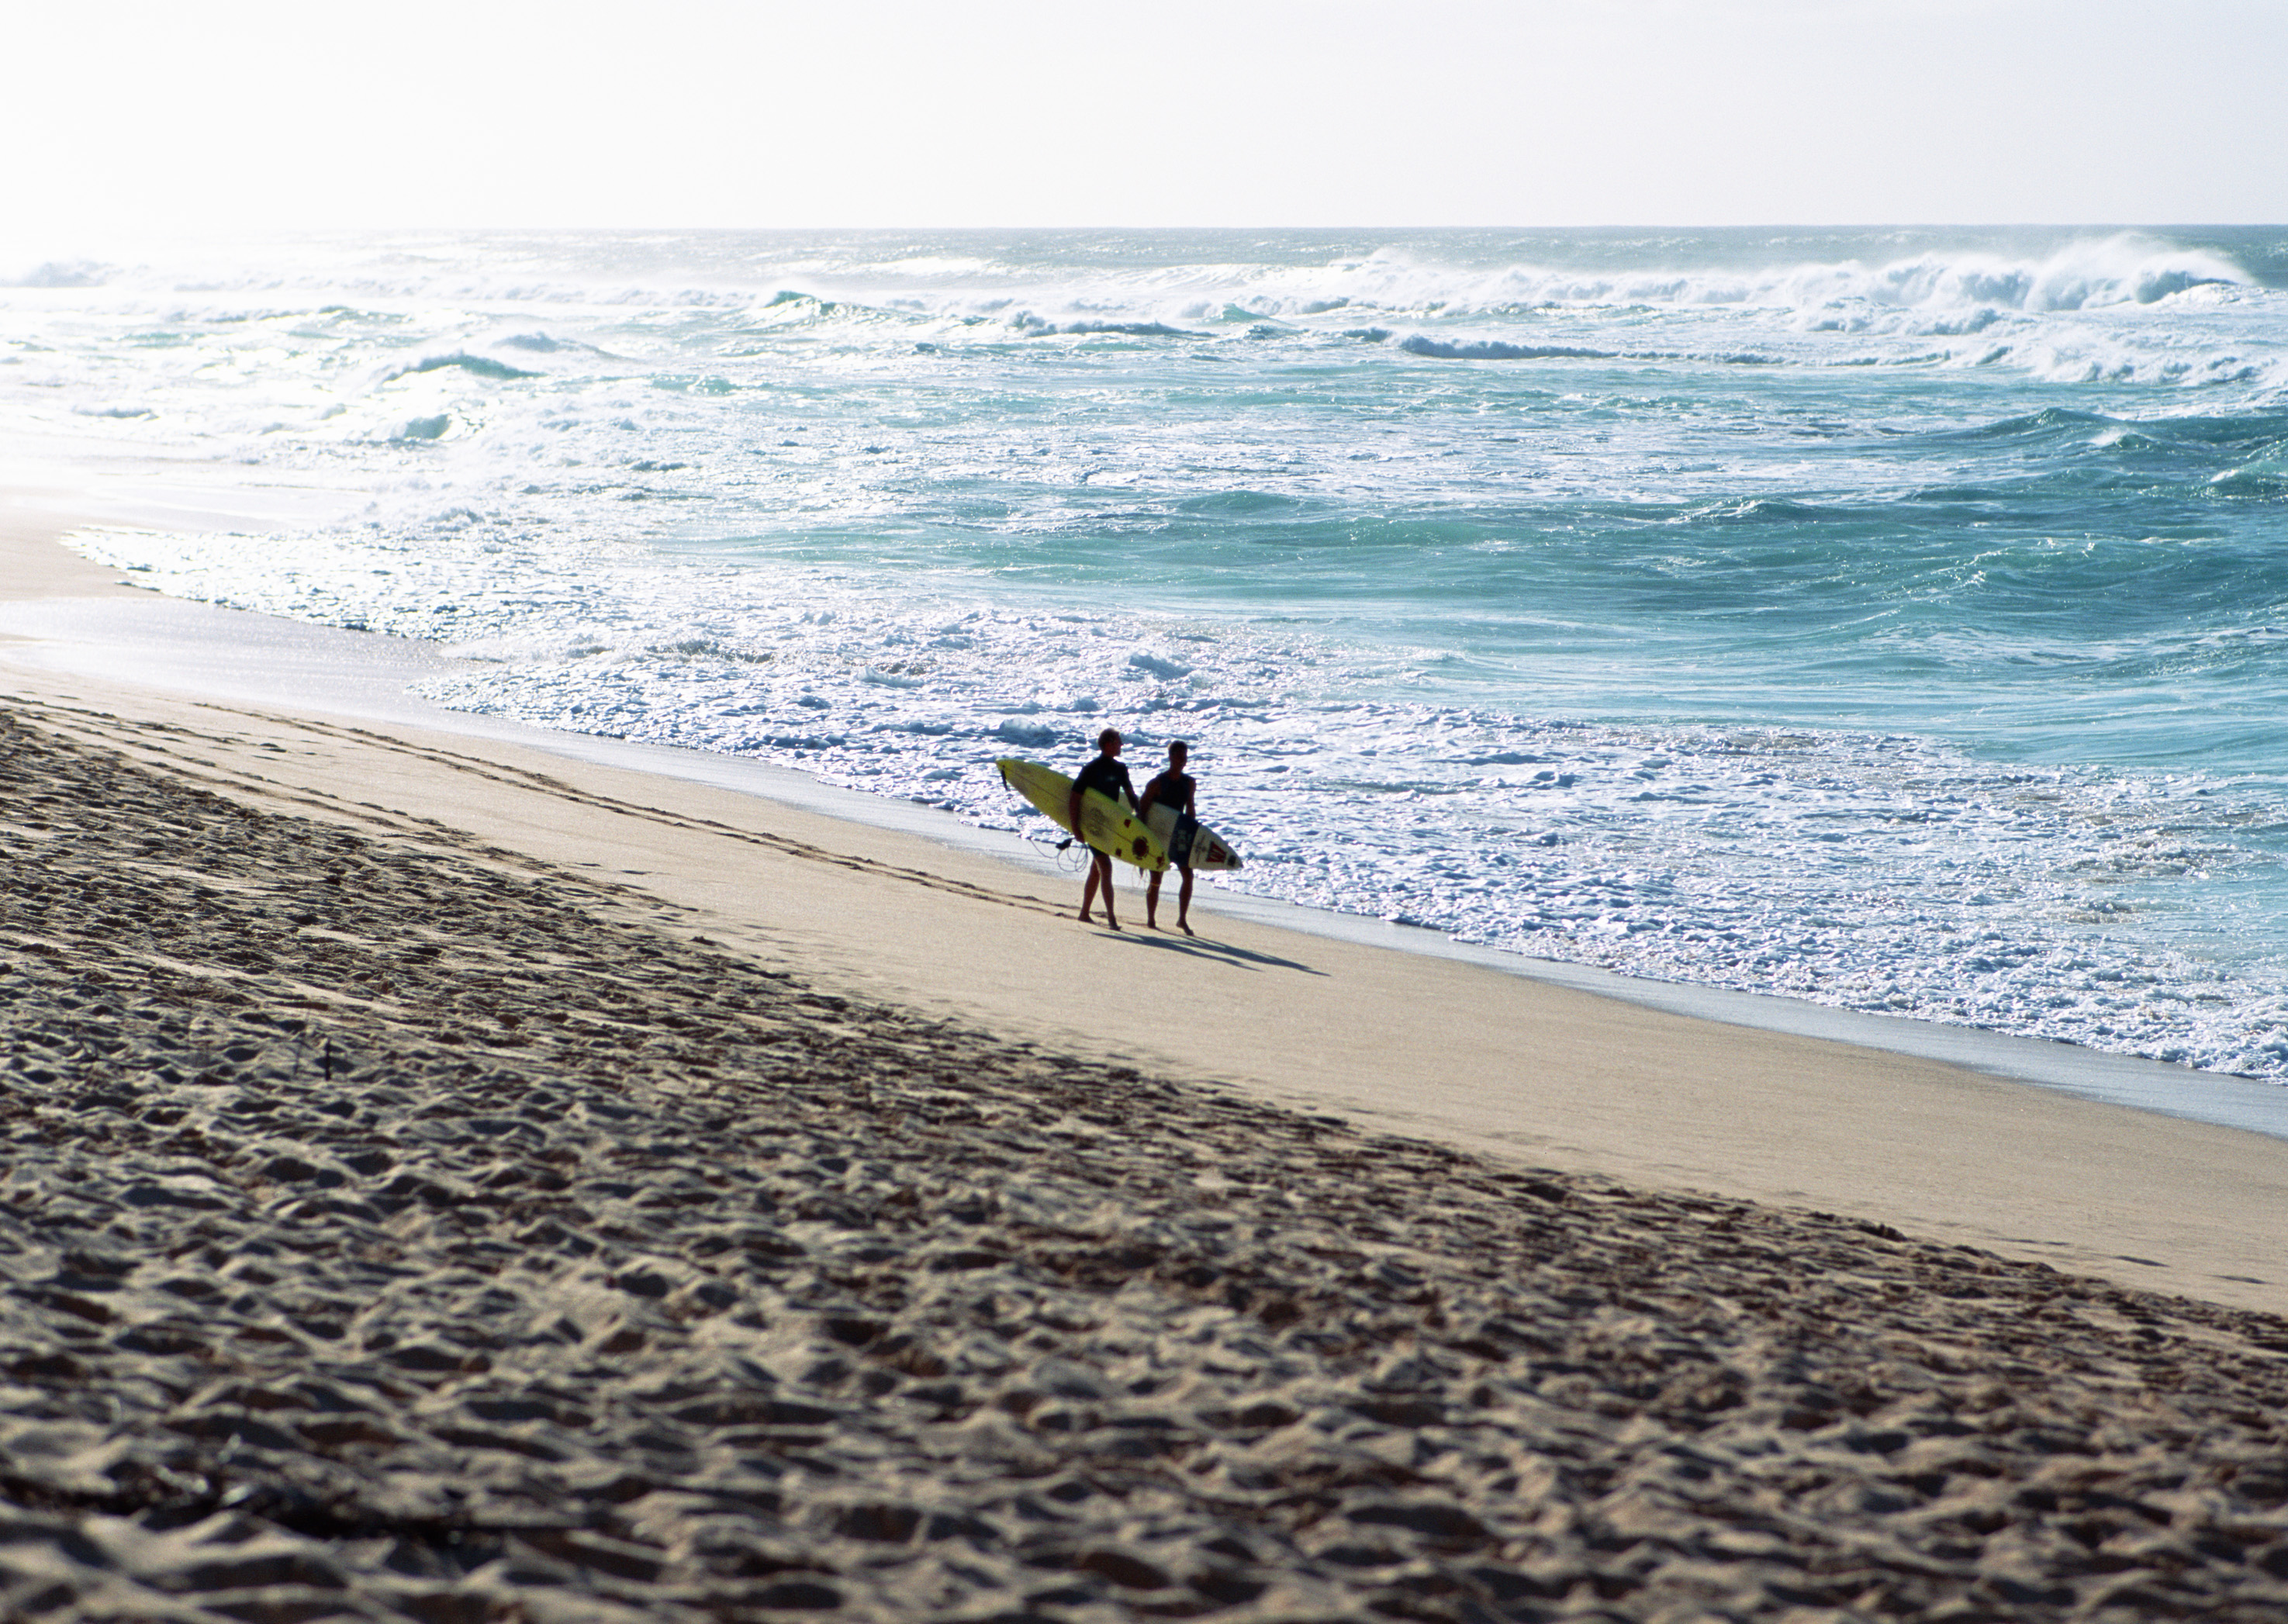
416 1215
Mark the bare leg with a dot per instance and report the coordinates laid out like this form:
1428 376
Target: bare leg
1183 900
1152 901
1099 874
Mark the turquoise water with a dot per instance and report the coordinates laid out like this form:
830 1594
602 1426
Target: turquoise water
1893 618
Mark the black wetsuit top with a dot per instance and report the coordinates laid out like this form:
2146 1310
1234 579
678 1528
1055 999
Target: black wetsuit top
1172 789
1108 776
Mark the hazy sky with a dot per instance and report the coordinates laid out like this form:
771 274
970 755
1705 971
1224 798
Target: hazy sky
122 118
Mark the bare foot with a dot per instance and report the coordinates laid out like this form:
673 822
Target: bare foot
1084 919
1111 923
1185 929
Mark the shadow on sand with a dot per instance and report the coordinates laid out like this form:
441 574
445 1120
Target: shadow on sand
1200 946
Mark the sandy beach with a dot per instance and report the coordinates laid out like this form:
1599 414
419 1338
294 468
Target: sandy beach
452 1180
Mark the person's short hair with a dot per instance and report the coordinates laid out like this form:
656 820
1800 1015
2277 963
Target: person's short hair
1178 744
1109 737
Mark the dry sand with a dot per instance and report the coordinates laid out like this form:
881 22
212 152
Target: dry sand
409 1211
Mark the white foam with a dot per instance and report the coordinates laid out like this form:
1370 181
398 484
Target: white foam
197 649
1864 871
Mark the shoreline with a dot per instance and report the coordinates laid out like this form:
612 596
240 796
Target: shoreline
173 643
455 1182
1523 1066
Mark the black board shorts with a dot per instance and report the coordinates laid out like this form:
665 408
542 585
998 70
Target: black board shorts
1179 844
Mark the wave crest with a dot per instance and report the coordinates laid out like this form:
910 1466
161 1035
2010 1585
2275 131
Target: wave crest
1491 349
479 365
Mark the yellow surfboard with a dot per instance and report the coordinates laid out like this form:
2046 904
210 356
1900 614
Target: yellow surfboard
1105 824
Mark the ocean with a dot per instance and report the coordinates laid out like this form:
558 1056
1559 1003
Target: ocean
1892 618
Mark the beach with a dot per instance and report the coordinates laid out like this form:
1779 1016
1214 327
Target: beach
1690 607
454 1180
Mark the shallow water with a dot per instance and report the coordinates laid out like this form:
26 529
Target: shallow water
1889 618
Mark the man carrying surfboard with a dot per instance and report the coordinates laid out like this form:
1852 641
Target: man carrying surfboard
1172 789
1106 775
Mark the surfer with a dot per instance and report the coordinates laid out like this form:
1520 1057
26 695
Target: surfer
1104 773
1173 788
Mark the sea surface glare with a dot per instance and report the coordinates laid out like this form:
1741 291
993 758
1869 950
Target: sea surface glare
1890 618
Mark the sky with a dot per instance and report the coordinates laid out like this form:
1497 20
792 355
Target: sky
125 119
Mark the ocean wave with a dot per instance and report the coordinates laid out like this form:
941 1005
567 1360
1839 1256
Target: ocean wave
2087 273
476 366
2049 423
1766 510
1951 291
1500 349
2106 357
1281 276
2264 474
2063 310
1029 734
1033 326
1496 349
1960 289
2230 438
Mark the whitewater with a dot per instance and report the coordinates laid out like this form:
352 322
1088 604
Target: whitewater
1889 618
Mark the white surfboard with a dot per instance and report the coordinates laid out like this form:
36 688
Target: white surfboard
1209 850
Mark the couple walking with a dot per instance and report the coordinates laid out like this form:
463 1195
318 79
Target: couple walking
1173 788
